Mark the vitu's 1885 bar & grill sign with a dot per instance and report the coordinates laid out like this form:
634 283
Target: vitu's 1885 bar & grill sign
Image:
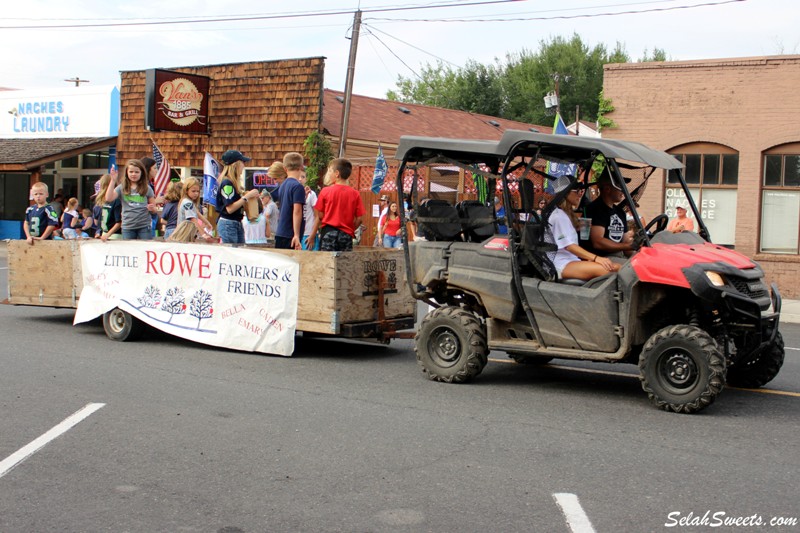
175 101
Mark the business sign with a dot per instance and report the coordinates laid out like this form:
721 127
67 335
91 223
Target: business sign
217 295
86 111
175 101
717 209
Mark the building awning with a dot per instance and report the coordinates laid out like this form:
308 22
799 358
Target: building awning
28 154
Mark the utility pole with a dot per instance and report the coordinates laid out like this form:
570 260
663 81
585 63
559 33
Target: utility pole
577 120
348 88
77 81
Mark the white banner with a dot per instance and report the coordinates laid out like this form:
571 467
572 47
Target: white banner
231 297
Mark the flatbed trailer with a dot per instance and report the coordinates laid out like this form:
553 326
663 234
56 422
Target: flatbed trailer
361 294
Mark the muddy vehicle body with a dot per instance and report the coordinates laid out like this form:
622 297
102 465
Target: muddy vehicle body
691 314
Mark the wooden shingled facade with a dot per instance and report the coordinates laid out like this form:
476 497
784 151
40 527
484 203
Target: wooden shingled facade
262 108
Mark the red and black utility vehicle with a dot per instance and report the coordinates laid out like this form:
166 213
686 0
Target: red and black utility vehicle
693 315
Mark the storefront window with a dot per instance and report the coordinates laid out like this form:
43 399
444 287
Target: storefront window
14 196
780 202
70 162
712 177
95 160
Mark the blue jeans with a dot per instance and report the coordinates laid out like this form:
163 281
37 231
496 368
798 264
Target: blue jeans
142 234
393 242
230 231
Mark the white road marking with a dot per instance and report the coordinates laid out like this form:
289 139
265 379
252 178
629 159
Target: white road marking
790 348
37 444
577 520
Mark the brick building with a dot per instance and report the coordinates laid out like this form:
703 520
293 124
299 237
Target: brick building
735 123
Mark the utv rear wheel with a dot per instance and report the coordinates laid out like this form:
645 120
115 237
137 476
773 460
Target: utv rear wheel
451 345
760 370
682 369
119 325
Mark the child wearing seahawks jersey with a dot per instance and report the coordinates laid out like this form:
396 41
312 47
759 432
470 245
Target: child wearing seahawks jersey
40 219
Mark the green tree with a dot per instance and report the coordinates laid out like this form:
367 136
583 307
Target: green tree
658 54
475 88
319 153
514 88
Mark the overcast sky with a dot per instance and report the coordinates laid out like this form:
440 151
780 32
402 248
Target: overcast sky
389 46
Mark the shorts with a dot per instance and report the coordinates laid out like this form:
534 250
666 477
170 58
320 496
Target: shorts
335 240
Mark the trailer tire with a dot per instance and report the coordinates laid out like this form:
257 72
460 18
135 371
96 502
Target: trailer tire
682 369
121 326
451 345
762 369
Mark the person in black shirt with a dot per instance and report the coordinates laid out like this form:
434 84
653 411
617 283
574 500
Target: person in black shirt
608 236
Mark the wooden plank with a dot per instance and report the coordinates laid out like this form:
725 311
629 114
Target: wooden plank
357 277
42 273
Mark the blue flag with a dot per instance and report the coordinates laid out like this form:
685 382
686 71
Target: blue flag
380 171
210 174
558 169
559 128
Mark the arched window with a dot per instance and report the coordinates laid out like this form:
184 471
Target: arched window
712 173
780 200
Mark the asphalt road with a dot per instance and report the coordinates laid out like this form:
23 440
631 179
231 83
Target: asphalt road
350 436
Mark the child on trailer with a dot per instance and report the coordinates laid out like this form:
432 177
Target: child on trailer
71 220
191 209
110 217
169 216
137 201
256 230
40 219
89 224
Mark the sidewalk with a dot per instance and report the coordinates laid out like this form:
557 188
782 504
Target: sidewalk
790 311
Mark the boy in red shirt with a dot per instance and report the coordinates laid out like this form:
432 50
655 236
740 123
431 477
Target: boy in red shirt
339 209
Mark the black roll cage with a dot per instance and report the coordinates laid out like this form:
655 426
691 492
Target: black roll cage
509 154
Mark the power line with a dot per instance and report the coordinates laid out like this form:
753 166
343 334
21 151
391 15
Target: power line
249 18
443 3
412 46
562 17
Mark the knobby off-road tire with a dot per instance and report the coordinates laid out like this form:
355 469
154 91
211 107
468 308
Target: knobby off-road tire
120 326
451 345
525 359
760 370
682 369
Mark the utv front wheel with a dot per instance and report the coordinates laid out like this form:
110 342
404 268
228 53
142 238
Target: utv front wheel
682 369
762 369
451 345
119 325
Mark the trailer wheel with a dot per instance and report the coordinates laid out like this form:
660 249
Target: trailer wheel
682 369
120 326
451 345
525 359
762 369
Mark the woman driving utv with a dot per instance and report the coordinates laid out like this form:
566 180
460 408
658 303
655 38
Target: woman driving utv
572 261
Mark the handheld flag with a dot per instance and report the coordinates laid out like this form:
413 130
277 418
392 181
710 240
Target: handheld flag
380 171
163 172
210 175
558 169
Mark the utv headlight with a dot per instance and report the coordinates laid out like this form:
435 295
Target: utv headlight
715 278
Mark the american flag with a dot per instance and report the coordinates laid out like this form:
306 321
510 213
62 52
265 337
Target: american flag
162 173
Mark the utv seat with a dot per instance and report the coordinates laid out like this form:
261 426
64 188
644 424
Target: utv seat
438 220
477 220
